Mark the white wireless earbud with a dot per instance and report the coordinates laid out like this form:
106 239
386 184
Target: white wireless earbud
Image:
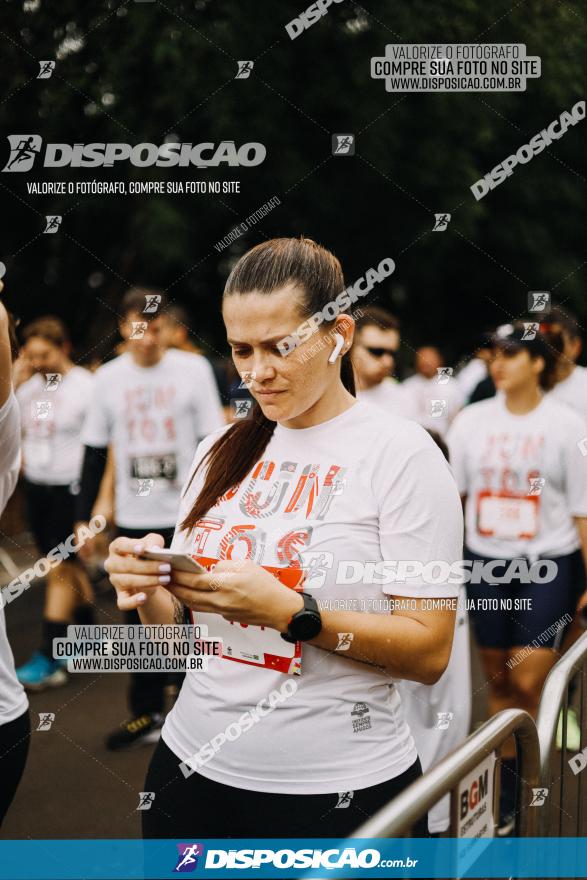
337 348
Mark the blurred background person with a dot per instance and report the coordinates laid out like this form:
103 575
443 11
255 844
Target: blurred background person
175 329
571 379
375 349
152 406
473 380
434 394
523 480
53 405
15 724
175 333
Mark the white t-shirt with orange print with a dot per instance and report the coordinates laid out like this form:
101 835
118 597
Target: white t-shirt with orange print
363 486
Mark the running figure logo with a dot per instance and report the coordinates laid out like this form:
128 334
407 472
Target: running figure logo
24 149
52 381
437 408
343 145
344 800
441 222
536 485
530 331
146 799
188 856
144 488
46 69
316 564
241 408
538 301
53 223
344 641
42 409
244 69
46 719
539 796
247 378
152 301
444 719
138 329
443 374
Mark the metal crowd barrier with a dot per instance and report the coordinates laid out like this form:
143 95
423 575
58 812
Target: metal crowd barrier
554 698
535 745
397 818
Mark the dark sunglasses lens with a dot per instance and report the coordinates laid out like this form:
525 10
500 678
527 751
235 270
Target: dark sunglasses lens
379 352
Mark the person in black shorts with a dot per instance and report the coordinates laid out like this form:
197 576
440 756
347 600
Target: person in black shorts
518 464
53 405
150 406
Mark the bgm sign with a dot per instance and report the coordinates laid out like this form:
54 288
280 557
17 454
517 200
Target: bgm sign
475 801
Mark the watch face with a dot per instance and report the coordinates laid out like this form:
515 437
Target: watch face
306 626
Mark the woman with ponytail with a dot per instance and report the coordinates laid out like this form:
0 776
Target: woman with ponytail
297 729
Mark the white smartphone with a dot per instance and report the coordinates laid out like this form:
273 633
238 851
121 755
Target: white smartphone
179 561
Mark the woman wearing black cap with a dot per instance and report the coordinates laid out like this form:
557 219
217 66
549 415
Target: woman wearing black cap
518 462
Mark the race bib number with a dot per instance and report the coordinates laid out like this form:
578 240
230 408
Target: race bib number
256 645
154 467
507 517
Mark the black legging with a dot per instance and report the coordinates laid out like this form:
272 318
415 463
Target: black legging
147 689
14 747
195 807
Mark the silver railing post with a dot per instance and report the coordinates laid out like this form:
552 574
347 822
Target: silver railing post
554 698
397 817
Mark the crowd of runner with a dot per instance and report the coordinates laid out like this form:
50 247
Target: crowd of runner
121 440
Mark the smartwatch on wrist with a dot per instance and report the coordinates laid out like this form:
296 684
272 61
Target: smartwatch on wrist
304 624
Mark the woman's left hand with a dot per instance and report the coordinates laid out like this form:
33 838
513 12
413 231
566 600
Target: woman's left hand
238 590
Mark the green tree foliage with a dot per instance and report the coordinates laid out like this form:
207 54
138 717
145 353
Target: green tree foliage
144 71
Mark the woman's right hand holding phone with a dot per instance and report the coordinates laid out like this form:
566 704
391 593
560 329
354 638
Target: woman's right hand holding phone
135 580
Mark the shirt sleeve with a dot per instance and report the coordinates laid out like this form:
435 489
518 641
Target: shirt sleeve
576 467
420 519
209 414
97 429
9 448
455 440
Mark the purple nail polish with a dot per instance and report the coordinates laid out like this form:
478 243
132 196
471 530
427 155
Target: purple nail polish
164 579
165 568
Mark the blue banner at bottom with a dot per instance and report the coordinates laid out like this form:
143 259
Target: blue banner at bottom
292 857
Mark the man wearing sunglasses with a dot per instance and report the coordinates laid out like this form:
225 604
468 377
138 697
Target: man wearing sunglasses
377 341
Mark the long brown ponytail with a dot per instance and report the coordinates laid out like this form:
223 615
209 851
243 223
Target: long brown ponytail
265 268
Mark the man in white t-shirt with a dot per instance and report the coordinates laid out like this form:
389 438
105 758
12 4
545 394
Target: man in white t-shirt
53 404
375 347
152 406
433 391
571 379
14 716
